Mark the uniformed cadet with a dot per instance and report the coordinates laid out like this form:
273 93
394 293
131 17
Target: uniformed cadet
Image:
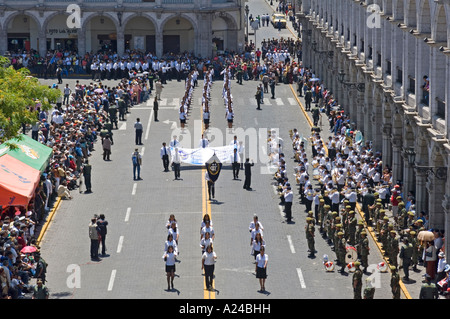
393 248
384 231
322 217
406 253
357 281
341 250
395 283
358 237
310 229
415 251
337 228
330 228
364 251
352 222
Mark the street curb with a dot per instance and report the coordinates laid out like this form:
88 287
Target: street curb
358 209
49 220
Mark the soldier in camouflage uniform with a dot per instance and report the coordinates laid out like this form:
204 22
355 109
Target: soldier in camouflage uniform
352 222
364 251
393 248
395 283
330 228
341 249
415 251
357 281
309 229
358 237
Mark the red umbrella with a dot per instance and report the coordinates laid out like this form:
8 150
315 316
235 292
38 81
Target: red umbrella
28 249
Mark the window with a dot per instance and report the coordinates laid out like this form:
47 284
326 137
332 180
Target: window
399 76
412 85
369 56
378 59
388 67
440 108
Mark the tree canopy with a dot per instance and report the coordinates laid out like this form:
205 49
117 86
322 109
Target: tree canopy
19 95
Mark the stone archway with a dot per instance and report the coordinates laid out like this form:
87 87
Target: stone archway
23 32
140 33
179 34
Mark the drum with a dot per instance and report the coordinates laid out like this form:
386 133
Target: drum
329 266
351 254
382 267
351 267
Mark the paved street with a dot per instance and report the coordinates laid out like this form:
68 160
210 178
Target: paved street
138 210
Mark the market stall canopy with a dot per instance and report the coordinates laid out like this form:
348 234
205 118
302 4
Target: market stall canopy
29 151
18 181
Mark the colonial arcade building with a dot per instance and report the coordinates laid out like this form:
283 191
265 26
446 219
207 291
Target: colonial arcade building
158 26
375 56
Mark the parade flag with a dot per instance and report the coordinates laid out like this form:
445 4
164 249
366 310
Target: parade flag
199 156
213 166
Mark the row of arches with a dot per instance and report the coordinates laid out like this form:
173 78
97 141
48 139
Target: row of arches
428 17
147 32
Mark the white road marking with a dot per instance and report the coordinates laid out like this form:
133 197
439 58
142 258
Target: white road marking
279 101
142 150
300 276
134 189
111 280
292 101
149 124
163 102
119 246
281 211
123 127
127 215
291 245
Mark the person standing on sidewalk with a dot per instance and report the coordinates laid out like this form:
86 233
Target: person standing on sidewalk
87 170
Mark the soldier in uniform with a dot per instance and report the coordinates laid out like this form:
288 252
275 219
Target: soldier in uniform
393 248
323 213
337 228
415 250
113 115
352 221
395 283
122 109
357 281
310 236
87 169
384 231
406 253
358 237
330 230
341 250
364 251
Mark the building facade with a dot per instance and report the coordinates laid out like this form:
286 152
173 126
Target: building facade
375 56
158 26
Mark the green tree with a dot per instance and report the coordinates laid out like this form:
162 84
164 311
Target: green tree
19 92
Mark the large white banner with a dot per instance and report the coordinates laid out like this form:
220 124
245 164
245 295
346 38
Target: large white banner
199 156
